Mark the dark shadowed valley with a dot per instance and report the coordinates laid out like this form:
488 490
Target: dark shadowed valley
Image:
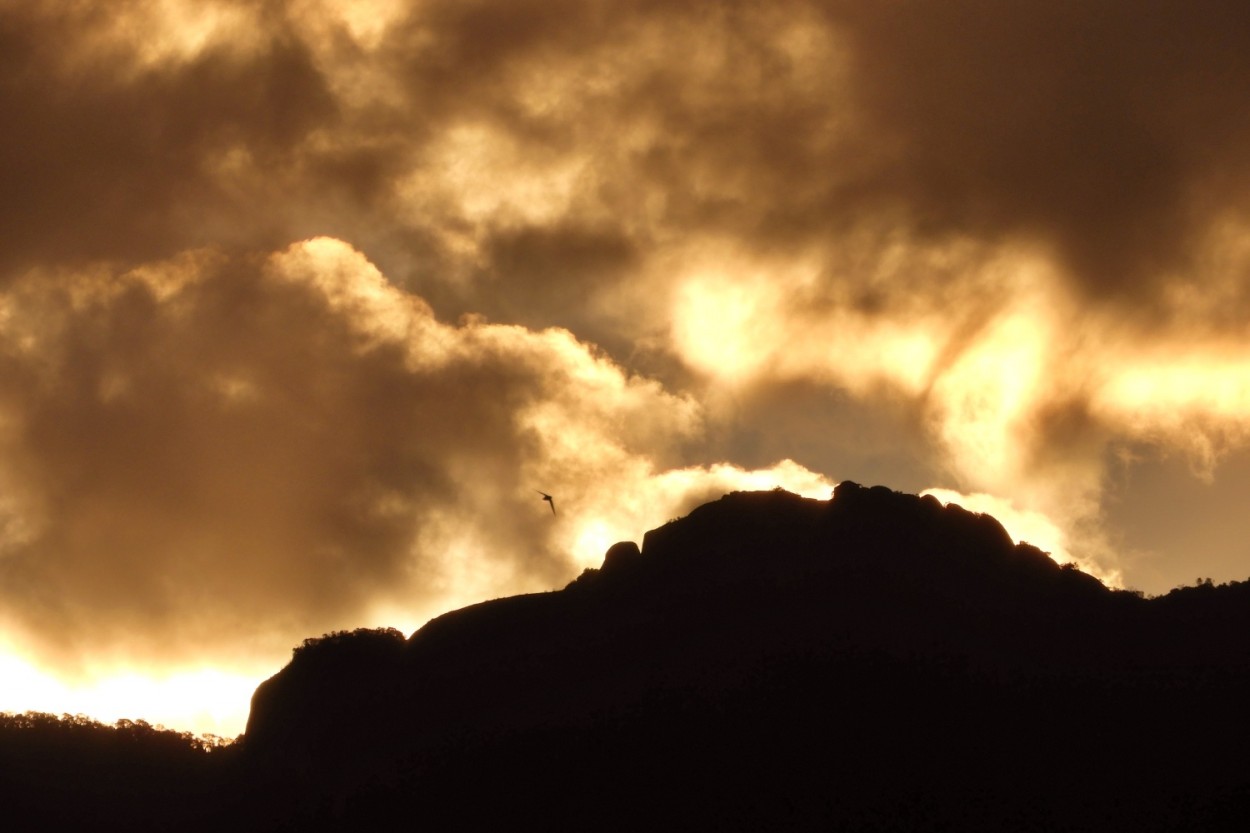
872 662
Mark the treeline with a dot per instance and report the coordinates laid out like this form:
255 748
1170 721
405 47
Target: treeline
72 772
80 731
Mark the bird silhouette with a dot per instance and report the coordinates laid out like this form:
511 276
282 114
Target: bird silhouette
549 499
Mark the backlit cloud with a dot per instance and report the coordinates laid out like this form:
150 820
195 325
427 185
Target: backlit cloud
628 253
209 456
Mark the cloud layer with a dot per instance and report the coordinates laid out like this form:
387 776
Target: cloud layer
997 248
206 452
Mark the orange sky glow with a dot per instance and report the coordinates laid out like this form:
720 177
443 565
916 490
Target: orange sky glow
300 302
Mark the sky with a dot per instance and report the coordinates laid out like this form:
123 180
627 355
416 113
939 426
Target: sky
302 302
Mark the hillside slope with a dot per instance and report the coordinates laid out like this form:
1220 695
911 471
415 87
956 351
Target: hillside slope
873 661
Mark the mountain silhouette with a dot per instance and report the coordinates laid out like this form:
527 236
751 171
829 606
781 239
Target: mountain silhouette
877 661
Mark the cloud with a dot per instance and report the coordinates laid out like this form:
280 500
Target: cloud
143 131
1108 134
943 242
440 135
209 452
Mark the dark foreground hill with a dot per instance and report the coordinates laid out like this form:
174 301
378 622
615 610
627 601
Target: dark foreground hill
873 662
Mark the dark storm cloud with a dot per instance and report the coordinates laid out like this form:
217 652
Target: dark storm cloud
108 154
530 271
1112 131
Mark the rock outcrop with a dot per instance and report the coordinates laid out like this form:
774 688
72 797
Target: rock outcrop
873 661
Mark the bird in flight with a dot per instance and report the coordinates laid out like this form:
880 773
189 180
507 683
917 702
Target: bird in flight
549 499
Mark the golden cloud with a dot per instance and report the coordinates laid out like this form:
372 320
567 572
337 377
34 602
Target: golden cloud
1015 234
208 459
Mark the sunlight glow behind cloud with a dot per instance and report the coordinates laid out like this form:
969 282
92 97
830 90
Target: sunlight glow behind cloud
300 301
346 448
